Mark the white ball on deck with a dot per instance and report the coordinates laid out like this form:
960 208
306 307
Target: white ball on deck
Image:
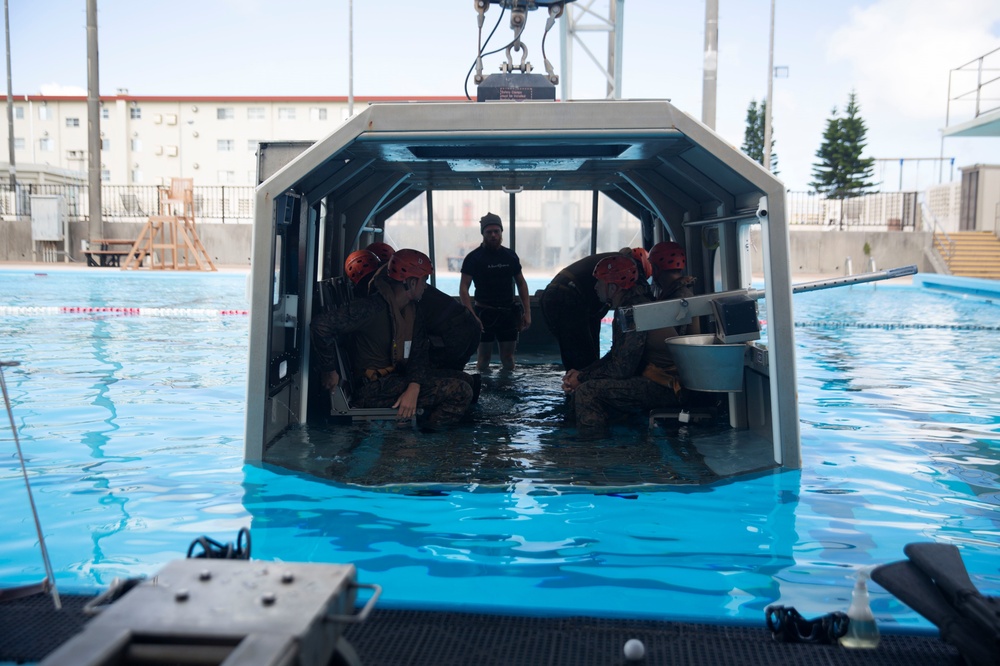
634 649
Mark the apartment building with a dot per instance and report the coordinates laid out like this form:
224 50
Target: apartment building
149 140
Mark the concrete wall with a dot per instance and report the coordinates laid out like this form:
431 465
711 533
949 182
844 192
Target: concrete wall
820 252
827 251
227 244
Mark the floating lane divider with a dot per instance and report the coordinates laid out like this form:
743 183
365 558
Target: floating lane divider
889 326
138 312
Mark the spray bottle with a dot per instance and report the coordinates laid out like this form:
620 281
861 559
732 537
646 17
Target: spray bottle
862 632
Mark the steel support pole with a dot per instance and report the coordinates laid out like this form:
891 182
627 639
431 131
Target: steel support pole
10 112
96 222
770 86
710 68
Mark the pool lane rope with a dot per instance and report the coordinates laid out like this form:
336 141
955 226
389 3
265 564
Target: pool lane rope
206 312
893 326
138 312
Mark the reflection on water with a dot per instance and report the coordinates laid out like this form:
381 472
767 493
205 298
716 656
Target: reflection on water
133 431
521 431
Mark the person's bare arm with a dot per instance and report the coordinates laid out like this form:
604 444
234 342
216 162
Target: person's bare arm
522 291
463 295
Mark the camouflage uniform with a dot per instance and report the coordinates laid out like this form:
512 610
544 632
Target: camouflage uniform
616 383
380 380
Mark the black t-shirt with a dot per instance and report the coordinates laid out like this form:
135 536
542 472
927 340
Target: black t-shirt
493 274
439 309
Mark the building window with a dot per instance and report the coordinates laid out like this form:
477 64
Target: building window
225 145
317 113
18 113
105 144
18 143
226 177
44 113
286 113
136 145
255 113
105 175
72 122
225 113
135 113
136 176
46 145
252 145
105 113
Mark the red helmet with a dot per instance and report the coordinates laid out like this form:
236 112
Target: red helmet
382 250
360 264
668 256
408 263
619 270
642 258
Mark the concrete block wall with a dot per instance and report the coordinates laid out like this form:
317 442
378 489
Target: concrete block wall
812 252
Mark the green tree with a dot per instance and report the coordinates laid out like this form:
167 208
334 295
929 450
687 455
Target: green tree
753 135
841 171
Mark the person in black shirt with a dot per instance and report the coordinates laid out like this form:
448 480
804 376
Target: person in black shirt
495 270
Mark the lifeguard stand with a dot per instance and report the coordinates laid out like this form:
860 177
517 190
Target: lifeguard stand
169 238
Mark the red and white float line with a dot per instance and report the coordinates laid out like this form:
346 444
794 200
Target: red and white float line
26 310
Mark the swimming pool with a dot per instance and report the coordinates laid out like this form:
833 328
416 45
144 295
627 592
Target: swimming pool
132 426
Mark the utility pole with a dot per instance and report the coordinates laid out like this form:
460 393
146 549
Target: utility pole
10 112
710 69
350 58
96 222
770 86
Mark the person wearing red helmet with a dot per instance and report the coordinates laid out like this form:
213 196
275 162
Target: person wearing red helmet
669 282
495 270
617 383
383 251
359 268
573 312
389 346
452 330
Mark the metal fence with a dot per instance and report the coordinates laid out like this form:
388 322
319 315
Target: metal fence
893 211
131 203
234 204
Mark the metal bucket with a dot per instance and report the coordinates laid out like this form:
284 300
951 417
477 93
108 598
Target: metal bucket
705 365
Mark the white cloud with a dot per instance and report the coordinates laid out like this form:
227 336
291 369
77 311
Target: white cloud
902 50
57 89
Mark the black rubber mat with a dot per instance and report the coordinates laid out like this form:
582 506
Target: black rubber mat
30 629
458 639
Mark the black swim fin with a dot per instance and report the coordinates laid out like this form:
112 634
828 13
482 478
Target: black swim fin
943 564
934 582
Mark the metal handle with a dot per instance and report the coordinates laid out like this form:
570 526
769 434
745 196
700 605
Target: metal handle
366 611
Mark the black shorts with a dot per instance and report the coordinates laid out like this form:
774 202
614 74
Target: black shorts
499 323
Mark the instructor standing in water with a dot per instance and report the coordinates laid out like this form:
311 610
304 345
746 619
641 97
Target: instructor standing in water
495 269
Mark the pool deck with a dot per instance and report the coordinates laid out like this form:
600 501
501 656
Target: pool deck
30 629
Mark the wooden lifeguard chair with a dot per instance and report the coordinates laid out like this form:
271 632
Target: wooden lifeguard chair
169 238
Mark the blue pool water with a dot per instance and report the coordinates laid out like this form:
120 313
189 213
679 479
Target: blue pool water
132 426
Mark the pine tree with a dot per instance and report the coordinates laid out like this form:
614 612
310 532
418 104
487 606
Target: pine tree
841 172
753 136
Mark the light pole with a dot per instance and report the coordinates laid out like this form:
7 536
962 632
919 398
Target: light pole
770 85
10 111
710 68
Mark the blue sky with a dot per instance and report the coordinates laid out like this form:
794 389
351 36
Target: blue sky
896 54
